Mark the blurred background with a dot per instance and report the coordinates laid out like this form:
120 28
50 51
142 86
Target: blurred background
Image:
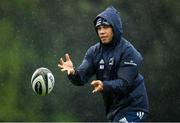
36 33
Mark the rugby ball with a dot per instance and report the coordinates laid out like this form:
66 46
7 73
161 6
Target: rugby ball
42 81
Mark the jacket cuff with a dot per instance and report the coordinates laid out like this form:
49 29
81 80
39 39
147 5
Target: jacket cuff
107 86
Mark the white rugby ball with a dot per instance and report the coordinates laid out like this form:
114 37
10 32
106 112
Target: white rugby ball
42 81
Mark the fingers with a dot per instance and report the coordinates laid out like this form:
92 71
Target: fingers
97 85
95 90
61 61
60 66
94 83
63 69
66 65
67 57
68 72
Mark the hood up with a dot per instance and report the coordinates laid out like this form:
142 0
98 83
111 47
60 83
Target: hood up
112 16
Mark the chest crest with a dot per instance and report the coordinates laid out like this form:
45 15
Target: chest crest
101 64
110 62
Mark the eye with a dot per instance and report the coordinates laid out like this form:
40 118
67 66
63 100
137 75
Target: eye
99 28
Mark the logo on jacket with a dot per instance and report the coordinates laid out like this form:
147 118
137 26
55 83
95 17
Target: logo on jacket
131 62
140 114
123 120
111 61
101 64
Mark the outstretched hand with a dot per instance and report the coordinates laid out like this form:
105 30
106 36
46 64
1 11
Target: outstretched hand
66 65
97 85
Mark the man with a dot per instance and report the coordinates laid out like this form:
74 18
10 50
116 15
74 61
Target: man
115 62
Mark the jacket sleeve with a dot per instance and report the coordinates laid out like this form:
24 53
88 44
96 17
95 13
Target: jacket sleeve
85 71
127 72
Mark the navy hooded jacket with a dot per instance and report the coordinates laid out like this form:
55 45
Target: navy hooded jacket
116 65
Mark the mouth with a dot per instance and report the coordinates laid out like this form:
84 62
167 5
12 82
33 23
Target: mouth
103 37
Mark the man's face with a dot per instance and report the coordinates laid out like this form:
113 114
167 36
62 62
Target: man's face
105 33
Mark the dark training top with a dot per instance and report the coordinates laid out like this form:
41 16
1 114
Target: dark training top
116 65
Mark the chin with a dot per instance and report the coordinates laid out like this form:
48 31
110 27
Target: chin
105 42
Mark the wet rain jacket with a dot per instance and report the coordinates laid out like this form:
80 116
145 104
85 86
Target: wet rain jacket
116 65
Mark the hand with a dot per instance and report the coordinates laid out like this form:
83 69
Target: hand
97 85
66 65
